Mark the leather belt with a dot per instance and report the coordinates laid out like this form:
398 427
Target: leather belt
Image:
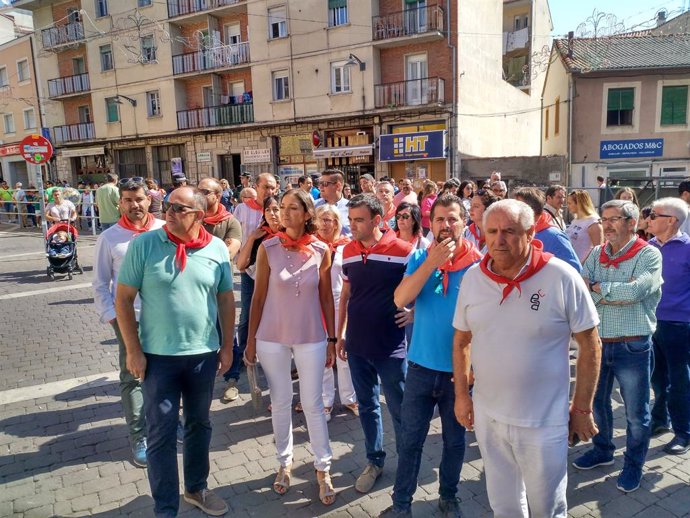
623 339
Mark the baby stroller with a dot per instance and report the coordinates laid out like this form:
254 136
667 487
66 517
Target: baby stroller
61 250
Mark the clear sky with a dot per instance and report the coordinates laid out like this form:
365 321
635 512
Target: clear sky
635 14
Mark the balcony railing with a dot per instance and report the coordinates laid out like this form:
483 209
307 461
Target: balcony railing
74 132
409 22
208 59
182 7
415 92
68 85
214 116
62 34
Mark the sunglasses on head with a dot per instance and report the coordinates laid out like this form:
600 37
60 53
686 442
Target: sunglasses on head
402 216
135 179
177 208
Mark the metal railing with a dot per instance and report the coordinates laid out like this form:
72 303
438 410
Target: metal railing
27 213
409 22
211 58
182 7
62 34
213 116
68 85
74 132
414 92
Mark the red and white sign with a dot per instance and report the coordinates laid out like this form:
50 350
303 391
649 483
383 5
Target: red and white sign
36 149
9 150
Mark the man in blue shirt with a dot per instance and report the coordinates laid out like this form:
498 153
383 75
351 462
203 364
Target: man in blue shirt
432 282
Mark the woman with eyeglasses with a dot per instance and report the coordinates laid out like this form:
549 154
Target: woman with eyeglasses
585 231
408 225
427 200
291 306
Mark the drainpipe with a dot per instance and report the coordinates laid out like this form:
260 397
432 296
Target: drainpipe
570 129
453 118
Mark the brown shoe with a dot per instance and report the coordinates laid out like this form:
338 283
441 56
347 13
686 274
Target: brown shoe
207 501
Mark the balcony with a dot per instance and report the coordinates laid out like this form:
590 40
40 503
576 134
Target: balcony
62 34
69 85
183 7
516 40
420 23
74 133
215 116
223 56
415 92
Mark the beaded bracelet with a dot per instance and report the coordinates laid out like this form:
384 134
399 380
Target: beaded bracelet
580 411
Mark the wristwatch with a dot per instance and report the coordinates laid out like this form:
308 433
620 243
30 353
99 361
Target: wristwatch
332 340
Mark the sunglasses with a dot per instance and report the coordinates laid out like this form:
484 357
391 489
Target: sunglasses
613 219
402 216
125 181
326 184
654 215
177 208
206 192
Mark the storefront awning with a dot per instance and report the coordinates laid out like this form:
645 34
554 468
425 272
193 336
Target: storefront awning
83 151
343 152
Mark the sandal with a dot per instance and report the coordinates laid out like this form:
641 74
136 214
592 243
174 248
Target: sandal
353 407
281 484
326 491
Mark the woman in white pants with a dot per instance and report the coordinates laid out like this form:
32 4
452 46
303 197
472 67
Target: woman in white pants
292 291
329 227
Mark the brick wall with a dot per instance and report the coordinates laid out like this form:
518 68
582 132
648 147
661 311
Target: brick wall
65 57
240 18
60 10
194 86
71 107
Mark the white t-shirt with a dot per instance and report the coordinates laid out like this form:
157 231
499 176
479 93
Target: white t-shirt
520 348
579 237
61 211
249 219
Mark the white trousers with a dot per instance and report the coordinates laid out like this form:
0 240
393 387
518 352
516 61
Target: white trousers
276 361
346 389
523 464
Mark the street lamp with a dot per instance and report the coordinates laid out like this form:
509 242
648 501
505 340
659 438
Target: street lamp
354 60
118 100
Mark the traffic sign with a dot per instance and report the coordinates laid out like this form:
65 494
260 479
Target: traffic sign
36 149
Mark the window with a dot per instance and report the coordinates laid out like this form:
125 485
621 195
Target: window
148 50
337 12
143 3
340 78
281 85
23 70
3 77
674 105
29 118
557 116
84 114
111 110
207 96
232 34
8 120
106 58
73 15
153 103
101 8
620 104
547 115
277 22
78 66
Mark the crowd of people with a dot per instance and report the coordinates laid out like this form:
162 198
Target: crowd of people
414 295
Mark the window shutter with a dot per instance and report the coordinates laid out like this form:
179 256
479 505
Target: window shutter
614 101
627 98
674 105
334 4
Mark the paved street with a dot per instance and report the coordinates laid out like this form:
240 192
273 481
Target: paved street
65 450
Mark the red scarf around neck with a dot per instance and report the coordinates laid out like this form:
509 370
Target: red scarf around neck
253 204
474 230
269 232
221 215
387 217
607 262
300 244
466 255
333 245
543 222
127 224
538 260
203 239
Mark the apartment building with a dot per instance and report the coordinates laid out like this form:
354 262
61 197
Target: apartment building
19 106
216 87
618 107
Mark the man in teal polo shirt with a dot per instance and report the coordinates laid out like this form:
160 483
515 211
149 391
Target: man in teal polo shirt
184 279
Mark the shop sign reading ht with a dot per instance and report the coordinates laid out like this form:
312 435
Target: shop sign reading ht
36 149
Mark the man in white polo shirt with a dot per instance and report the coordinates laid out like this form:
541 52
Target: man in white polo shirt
519 406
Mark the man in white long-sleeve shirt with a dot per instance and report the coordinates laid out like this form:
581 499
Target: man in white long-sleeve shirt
111 248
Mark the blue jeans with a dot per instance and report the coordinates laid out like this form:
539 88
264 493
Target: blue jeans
630 364
239 345
424 389
671 377
365 378
167 378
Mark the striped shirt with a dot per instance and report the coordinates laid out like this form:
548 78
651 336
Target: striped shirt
629 294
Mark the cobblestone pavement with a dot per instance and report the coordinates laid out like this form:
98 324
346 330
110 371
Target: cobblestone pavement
64 448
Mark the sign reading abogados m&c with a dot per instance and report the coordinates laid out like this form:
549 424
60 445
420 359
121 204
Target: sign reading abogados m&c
637 148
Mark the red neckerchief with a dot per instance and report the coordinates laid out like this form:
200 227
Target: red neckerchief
607 262
543 222
466 255
203 239
387 217
412 241
332 245
300 244
127 224
475 232
253 204
538 260
221 215
269 232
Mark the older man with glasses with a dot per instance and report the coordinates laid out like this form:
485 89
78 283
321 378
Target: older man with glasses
184 276
671 375
331 186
